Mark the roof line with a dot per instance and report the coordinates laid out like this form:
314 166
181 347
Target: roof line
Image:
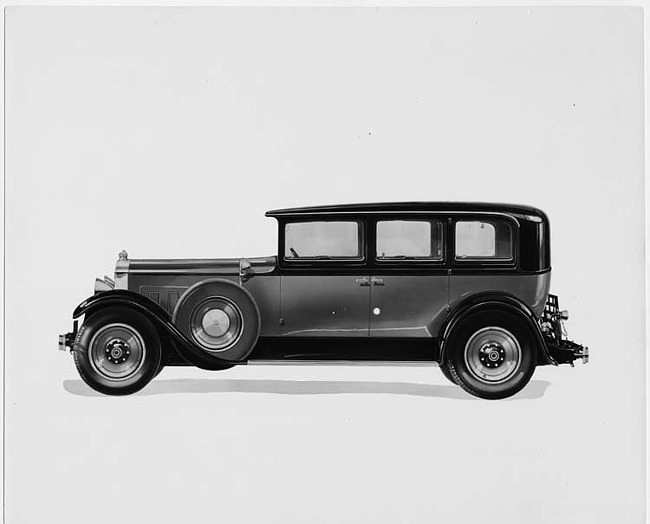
411 207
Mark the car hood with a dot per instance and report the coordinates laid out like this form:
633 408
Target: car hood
212 266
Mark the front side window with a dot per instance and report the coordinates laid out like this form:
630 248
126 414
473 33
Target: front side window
484 239
322 240
409 240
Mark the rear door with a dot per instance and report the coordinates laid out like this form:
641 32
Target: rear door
409 277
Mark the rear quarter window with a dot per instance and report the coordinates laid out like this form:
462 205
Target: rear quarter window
484 240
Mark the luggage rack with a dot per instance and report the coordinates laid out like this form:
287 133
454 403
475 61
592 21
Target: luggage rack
561 349
551 310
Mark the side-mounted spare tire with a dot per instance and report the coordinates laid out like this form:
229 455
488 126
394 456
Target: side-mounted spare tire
117 351
222 320
491 353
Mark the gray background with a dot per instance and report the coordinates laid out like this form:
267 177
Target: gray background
169 132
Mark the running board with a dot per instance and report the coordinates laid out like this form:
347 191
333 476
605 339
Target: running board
405 363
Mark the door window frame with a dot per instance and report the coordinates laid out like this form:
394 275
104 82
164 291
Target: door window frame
428 262
331 263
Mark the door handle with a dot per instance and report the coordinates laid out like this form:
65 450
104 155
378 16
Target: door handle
378 281
362 281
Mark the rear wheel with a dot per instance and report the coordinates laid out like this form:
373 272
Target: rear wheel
117 351
492 354
444 367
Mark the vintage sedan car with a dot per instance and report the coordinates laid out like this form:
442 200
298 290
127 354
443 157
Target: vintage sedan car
461 285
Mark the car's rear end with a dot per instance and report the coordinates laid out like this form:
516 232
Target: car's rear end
559 347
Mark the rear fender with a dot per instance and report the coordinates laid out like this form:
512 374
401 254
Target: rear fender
495 301
160 319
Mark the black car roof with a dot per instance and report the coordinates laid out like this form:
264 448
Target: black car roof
522 211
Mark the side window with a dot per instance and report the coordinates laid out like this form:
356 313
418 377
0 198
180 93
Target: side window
321 240
483 239
409 240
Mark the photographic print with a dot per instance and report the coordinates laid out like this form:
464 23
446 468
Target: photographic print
316 264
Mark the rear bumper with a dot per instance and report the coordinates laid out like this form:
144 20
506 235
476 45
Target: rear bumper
567 351
66 341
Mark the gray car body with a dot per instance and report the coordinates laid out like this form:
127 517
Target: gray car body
326 299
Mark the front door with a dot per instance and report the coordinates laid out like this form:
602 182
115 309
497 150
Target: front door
324 285
325 305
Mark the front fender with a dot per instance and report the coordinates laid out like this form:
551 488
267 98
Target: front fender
501 301
159 318
120 297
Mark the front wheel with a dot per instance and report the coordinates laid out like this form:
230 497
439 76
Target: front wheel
492 354
117 351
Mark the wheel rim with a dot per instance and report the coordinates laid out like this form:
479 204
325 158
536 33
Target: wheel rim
493 355
216 324
117 352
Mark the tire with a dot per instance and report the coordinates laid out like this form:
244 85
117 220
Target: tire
221 319
492 354
117 351
445 371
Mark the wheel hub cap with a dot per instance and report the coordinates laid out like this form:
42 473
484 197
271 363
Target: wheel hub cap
492 355
117 351
215 322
